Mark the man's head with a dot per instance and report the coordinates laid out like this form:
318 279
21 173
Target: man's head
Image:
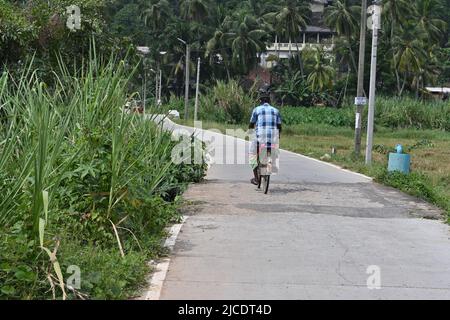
264 94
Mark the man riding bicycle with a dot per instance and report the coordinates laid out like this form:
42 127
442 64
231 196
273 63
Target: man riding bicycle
266 120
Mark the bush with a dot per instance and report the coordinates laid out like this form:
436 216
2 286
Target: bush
227 102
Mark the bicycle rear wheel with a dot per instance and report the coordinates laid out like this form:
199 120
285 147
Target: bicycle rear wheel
265 183
259 178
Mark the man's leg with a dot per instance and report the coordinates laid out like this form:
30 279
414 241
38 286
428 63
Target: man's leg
254 151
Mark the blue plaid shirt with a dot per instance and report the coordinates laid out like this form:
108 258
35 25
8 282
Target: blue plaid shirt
266 118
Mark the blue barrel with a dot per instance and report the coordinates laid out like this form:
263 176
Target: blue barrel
399 162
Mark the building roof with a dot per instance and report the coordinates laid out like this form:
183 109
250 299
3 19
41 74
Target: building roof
317 29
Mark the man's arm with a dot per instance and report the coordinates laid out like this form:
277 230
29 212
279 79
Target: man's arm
253 119
279 121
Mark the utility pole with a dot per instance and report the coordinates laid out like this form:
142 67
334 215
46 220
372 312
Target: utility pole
145 90
374 24
186 88
159 92
360 101
156 86
196 89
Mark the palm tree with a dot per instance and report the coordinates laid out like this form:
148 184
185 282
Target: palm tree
156 13
395 14
218 45
342 16
194 10
246 40
289 18
322 73
429 12
409 53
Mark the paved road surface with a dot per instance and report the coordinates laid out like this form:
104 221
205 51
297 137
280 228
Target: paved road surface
314 236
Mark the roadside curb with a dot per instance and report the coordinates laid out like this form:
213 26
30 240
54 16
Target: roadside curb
155 283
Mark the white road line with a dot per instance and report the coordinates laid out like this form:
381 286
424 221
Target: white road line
157 280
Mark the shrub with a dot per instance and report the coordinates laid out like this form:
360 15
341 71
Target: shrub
227 101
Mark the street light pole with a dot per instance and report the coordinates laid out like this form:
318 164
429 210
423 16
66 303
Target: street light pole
186 87
186 84
196 89
374 21
145 89
156 86
158 94
360 102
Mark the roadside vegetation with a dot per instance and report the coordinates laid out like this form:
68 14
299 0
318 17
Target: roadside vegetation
82 184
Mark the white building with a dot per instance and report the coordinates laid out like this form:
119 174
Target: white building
315 34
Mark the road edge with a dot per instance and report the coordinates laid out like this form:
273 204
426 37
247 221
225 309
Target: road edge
156 282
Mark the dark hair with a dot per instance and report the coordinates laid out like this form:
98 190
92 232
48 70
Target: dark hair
264 99
264 93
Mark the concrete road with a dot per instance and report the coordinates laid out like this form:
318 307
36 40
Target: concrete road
320 233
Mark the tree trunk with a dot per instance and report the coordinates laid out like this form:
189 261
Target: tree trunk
397 76
300 62
352 55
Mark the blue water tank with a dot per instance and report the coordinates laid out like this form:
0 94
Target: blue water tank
399 162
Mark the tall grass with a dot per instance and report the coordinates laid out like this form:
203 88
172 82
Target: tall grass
410 113
390 112
73 144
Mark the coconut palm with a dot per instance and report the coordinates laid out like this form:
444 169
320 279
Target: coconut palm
217 49
342 16
428 12
322 73
395 14
194 10
409 53
288 19
156 13
246 40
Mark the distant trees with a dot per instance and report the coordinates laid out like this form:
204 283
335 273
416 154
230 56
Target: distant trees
413 36
231 35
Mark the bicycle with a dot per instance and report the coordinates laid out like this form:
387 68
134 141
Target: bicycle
264 168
